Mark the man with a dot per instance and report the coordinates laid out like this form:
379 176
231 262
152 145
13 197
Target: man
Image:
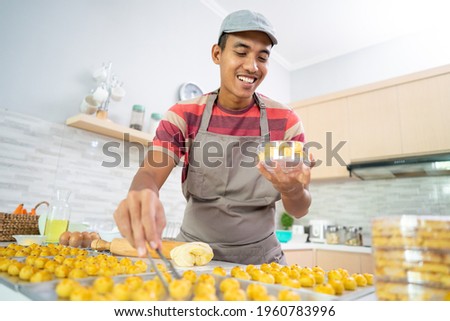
230 205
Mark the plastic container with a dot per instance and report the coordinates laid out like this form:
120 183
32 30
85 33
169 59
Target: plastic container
155 119
412 257
288 154
137 117
58 216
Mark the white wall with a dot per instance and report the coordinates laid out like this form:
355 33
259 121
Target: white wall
49 49
397 57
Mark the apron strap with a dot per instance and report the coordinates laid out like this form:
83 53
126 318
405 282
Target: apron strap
208 111
264 123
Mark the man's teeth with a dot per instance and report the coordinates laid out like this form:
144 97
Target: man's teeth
246 79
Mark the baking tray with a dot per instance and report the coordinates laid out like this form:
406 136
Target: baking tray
15 283
45 291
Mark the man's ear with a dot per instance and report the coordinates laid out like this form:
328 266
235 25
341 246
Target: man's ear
215 54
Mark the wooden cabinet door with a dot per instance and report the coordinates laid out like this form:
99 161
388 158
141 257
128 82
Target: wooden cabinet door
425 115
374 121
326 129
300 257
367 263
330 260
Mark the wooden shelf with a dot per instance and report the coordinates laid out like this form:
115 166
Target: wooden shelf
108 128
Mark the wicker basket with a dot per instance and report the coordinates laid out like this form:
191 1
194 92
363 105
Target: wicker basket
15 224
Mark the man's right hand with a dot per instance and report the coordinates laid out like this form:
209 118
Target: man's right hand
141 219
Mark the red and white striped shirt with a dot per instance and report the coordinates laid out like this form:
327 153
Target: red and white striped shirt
181 123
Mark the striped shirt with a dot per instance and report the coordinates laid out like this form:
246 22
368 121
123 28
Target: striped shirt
181 123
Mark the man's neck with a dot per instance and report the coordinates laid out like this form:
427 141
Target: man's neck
234 104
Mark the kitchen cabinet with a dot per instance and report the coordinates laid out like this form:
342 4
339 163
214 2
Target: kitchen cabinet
374 128
399 117
424 107
300 257
352 261
326 128
329 260
109 128
367 263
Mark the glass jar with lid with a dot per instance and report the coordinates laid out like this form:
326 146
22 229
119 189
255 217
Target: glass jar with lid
332 235
342 233
137 117
353 236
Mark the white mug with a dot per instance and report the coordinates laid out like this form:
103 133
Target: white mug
100 75
117 93
100 94
89 105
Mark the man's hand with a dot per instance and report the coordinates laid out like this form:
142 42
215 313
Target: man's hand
292 184
141 219
290 179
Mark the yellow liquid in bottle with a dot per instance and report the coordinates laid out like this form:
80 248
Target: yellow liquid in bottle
54 228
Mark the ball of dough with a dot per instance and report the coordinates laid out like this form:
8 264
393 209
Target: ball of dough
193 253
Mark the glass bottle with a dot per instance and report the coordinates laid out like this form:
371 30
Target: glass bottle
58 216
137 117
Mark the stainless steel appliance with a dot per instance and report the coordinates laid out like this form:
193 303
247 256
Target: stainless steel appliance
415 166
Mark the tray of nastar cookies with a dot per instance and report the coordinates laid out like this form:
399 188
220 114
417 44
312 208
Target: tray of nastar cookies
258 283
65 273
30 265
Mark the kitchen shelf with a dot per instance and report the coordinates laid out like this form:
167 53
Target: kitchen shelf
108 128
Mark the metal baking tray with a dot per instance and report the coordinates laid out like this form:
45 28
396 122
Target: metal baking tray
45 291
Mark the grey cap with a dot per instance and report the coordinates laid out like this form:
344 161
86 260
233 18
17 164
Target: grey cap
246 20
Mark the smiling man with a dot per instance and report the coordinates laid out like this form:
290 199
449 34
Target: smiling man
230 205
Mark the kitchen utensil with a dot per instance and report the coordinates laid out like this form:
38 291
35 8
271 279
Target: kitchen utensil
158 272
169 264
121 246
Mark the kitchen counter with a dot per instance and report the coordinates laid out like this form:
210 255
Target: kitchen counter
292 245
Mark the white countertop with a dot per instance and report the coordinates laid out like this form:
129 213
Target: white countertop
292 245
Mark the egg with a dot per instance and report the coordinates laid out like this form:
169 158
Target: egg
64 238
87 239
75 239
95 236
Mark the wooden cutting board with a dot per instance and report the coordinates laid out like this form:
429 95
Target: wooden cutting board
121 246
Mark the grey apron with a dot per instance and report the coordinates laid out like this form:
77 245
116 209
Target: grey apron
230 205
